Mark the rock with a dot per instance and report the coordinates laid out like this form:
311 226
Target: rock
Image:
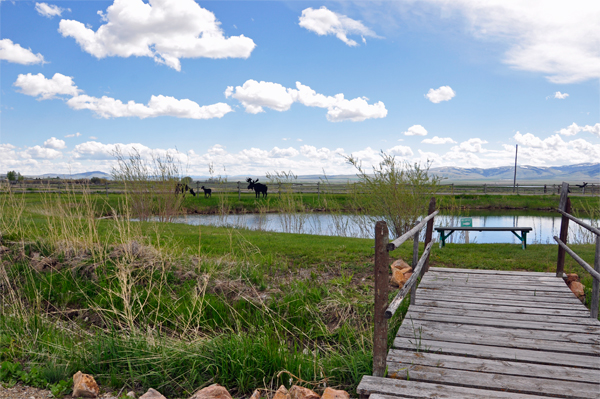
399 264
571 277
298 392
151 394
335 394
282 393
256 394
578 290
131 394
215 391
84 386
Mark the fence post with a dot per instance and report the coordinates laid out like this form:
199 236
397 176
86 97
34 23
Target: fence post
428 234
517 188
596 283
565 206
318 192
239 193
381 271
106 189
279 190
544 189
485 188
452 188
415 260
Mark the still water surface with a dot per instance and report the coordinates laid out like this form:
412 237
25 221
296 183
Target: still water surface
544 227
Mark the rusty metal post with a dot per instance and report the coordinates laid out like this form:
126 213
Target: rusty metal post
565 206
428 234
381 271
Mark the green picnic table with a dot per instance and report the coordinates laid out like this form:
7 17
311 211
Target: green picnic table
514 230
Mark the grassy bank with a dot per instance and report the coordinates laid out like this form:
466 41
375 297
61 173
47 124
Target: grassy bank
176 307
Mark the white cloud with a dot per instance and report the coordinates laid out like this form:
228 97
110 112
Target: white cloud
107 107
283 152
49 10
444 93
471 145
325 22
255 95
13 52
55 143
556 38
45 89
439 140
574 128
416 130
561 96
93 138
166 30
41 153
400 150
73 135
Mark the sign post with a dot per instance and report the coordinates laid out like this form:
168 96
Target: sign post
466 222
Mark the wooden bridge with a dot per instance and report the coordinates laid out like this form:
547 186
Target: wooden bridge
484 333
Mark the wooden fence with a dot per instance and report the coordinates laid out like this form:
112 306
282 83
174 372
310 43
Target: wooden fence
564 209
318 188
383 311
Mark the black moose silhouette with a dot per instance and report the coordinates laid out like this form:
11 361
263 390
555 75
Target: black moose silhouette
582 185
184 188
257 187
207 192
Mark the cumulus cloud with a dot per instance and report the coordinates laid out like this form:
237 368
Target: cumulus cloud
400 150
561 96
55 143
325 22
13 52
444 93
166 30
45 89
416 130
471 145
73 135
283 152
49 10
574 128
107 107
556 38
254 96
41 153
439 140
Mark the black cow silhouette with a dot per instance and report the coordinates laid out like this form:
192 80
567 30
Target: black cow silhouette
257 187
183 188
207 192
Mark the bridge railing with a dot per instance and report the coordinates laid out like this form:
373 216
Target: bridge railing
383 310
564 208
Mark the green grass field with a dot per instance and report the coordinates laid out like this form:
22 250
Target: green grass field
176 307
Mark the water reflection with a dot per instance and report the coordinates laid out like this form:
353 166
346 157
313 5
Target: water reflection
544 227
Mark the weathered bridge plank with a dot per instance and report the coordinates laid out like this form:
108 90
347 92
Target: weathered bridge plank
492 334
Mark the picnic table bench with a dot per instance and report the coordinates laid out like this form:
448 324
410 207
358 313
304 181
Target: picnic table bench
452 229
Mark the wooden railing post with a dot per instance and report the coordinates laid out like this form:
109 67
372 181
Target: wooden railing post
565 206
415 259
596 283
381 298
428 234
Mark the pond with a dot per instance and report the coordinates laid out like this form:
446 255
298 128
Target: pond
544 226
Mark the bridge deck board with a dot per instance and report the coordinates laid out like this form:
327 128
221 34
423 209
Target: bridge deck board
511 335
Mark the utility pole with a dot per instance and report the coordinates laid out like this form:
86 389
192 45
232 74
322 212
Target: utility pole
515 179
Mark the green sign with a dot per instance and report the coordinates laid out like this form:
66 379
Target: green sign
466 222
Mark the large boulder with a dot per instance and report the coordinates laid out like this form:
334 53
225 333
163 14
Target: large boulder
298 392
84 386
331 393
214 391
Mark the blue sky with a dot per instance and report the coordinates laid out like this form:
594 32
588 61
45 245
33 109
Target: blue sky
259 86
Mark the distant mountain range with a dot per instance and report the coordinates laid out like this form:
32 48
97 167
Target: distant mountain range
588 172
